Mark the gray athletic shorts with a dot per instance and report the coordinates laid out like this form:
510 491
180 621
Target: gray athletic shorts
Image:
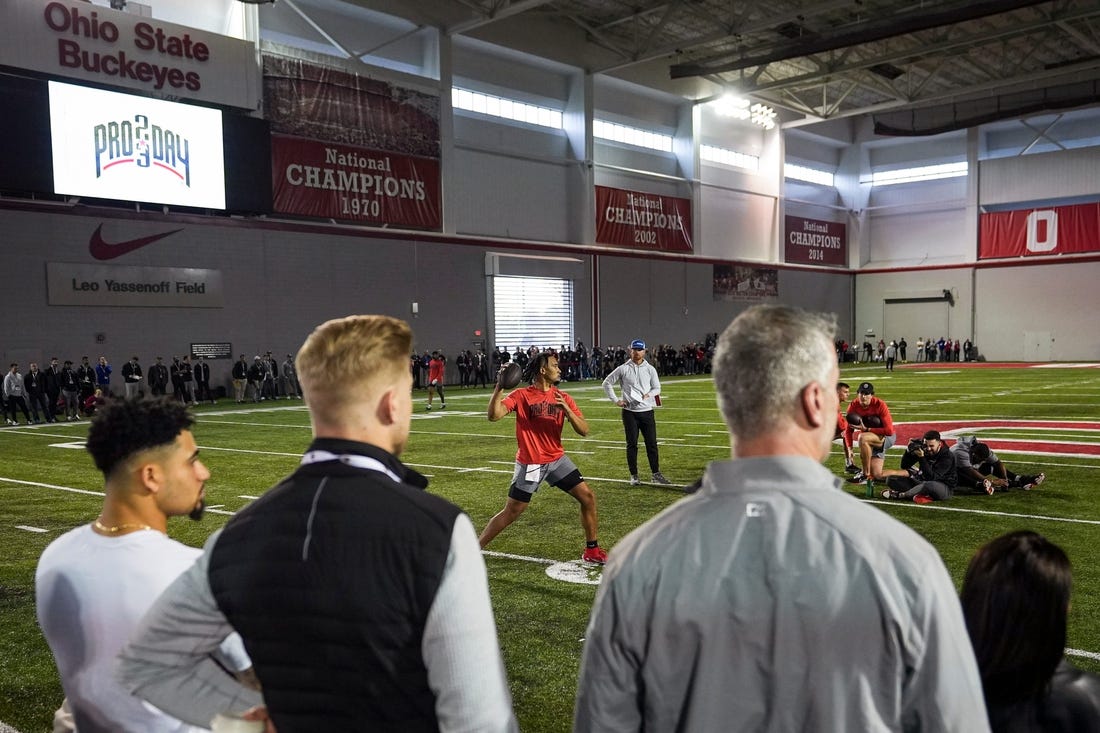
527 477
887 443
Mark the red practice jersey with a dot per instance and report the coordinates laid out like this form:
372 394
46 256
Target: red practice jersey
435 370
539 420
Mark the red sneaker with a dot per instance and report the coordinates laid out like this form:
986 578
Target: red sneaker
923 499
594 555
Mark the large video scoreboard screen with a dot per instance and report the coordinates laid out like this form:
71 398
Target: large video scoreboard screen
120 146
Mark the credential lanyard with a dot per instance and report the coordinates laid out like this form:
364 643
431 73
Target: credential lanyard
349 459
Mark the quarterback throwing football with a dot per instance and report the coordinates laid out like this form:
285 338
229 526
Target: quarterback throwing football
541 411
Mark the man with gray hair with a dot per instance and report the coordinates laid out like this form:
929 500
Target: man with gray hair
771 599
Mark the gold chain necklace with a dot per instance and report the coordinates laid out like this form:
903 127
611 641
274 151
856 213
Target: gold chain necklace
118 528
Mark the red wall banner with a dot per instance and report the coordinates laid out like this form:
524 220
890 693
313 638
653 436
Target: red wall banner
642 220
1030 232
332 181
815 242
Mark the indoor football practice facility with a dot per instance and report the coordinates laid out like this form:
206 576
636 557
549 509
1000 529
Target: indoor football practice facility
213 179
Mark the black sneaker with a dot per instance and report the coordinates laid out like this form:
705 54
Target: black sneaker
659 478
859 478
1030 482
851 468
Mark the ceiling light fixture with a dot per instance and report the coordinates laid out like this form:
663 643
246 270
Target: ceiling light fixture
763 115
740 108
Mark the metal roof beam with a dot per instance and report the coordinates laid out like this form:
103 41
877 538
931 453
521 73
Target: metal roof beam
902 25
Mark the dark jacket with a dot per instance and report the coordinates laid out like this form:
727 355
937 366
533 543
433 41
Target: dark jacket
131 372
939 466
329 578
1072 705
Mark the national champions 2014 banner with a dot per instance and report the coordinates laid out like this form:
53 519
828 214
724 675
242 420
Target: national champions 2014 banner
815 242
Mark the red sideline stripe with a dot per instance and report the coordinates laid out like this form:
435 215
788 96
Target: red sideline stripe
982 365
905 431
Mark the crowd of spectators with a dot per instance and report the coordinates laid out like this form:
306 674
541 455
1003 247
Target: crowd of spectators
924 350
64 391
577 363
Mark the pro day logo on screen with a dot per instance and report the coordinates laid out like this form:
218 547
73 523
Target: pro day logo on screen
119 146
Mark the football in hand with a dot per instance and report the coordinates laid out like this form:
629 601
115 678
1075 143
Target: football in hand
510 375
872 421
854 419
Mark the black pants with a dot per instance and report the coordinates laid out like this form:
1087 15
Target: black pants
985 469
38 404
16 402
633 422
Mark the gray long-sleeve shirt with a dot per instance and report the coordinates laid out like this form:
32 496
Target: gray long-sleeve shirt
639 382
772 601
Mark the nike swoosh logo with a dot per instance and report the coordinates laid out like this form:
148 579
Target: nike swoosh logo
103 250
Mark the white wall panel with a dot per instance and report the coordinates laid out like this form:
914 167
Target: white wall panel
873 290
510 197
637 158
737 226
1059 299
920 238
1037 177
509 137
495 70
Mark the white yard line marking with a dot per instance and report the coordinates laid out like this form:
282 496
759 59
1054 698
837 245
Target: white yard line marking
1082 653
524 558
30 529
50 486
987 512
247 496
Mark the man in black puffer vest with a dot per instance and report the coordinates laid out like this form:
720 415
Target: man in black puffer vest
362 600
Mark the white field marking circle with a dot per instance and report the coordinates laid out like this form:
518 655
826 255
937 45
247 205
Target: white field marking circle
576 571
569 571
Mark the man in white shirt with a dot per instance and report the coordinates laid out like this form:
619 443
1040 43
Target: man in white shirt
641 391
94 583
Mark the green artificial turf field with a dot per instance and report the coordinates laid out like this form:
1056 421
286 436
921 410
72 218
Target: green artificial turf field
47 482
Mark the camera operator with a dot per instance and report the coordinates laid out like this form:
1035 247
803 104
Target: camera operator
928 471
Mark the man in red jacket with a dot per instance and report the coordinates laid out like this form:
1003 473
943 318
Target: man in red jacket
871 417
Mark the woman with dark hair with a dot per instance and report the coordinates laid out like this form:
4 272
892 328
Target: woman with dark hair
1015 598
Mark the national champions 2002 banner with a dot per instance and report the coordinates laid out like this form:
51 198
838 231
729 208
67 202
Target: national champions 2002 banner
643 220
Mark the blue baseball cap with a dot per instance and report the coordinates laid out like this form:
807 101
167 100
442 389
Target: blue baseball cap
638 344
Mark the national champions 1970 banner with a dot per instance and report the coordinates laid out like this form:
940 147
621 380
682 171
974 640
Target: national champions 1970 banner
333 181
642 220
1053 230
351 147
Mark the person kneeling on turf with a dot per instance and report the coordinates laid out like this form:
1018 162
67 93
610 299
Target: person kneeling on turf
979 467
928 472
